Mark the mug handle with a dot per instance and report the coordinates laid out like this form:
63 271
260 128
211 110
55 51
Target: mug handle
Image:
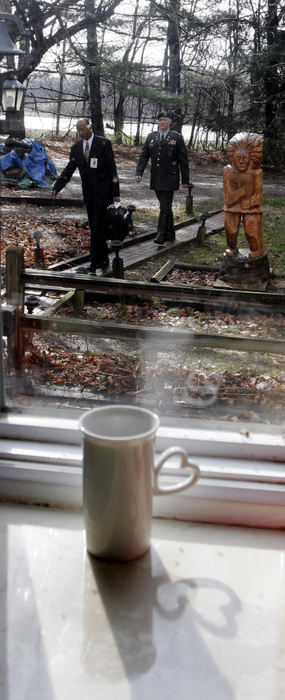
185 484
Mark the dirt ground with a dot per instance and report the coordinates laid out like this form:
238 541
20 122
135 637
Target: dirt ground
206 174
62 228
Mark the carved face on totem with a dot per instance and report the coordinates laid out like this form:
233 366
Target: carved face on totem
245 151
241 159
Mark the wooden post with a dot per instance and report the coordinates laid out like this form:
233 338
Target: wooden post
15 296
163 271
200 238
77 300
201 233
118 263
189 200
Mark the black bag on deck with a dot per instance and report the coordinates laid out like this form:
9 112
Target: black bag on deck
119 222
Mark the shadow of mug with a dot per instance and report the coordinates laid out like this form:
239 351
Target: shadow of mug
139 624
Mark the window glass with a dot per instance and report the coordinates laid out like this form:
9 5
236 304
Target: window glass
163 330
66 370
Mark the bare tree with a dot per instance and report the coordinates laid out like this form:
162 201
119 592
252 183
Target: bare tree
61 66
47 29
273 78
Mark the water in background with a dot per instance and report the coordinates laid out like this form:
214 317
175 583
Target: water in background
44 123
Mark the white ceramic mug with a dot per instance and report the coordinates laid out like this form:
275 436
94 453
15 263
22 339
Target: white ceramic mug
119 478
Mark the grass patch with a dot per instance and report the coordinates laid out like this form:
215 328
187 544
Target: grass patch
147 217
211 253
274 232
274 240
211 205
221 360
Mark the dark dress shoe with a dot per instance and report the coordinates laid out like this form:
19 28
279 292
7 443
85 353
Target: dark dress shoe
158 240
99 265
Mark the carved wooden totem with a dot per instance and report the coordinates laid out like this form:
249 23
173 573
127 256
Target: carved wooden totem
243 193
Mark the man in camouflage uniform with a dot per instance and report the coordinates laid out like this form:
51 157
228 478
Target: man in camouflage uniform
167 152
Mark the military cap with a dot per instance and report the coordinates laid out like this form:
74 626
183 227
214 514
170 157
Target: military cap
165 114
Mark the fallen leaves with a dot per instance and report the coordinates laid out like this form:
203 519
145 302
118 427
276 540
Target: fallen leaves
163 380
59 240
157 380
111 374
154 313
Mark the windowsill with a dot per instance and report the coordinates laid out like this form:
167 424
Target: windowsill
195 617
242 483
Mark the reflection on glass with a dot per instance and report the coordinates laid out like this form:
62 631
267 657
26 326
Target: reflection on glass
68 347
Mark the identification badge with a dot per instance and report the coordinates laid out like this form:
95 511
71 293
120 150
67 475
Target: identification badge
93 162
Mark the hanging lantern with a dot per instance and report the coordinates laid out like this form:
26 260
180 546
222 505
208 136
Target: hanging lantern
7 46
12 95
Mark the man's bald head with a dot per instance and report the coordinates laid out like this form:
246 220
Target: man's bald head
84 129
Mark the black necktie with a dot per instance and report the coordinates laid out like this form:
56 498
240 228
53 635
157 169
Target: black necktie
86 151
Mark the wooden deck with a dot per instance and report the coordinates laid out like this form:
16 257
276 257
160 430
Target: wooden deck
136 250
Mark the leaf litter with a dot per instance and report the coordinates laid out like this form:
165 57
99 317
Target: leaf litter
236 386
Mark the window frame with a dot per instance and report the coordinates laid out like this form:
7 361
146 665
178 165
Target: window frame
242 477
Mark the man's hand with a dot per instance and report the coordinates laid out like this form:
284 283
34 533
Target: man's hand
53 194
184 185
138 178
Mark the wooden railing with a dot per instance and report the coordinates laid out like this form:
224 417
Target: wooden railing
18 280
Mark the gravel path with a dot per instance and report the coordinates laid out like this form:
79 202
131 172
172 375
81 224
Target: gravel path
208 185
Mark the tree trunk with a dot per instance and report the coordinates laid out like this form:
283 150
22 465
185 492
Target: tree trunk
271 79
85 100
255 72
119 118
94 78
231 86
140 111
173 41
194 121
125 73
61 67
233 61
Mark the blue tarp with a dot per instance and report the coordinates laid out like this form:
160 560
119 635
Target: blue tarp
36 165
11 160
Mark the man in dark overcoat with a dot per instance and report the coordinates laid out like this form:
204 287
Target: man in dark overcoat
167 152
93 156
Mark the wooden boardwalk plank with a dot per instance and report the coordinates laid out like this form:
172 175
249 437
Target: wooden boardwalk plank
140 251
